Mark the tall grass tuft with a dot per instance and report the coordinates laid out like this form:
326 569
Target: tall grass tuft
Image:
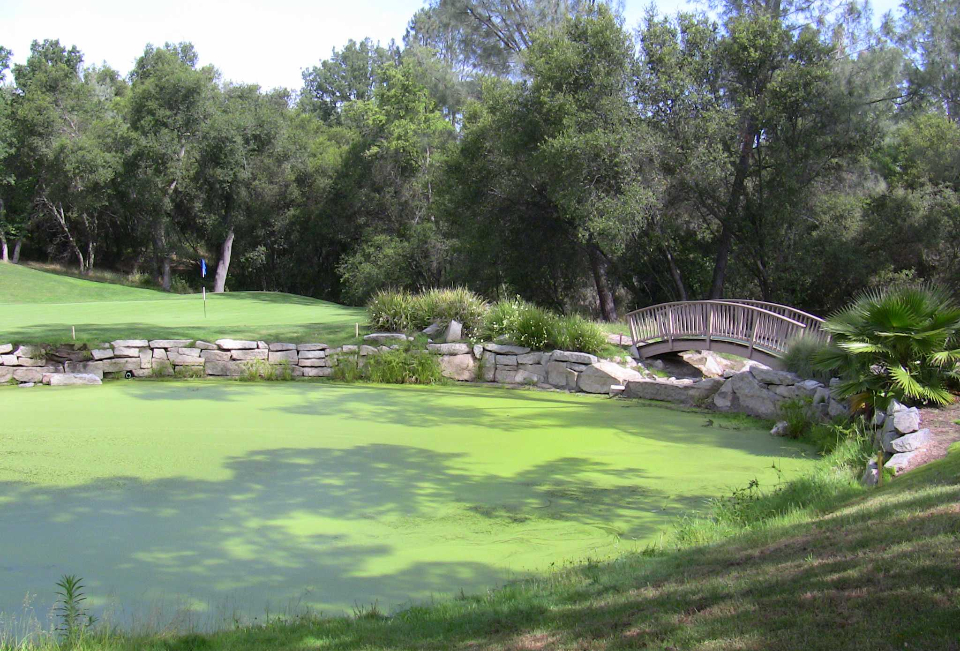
401 311
528 325
801 357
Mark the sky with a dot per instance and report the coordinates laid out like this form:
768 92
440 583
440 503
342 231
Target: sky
263 42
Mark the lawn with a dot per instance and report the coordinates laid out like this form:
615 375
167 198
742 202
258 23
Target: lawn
227 497
41 307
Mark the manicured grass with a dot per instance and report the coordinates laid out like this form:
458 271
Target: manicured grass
37 306
228 495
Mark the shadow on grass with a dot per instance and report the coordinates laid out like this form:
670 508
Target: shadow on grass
321 527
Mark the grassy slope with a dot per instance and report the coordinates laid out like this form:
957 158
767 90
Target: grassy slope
36 306
880 572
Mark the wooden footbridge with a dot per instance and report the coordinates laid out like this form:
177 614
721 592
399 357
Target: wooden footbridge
753 329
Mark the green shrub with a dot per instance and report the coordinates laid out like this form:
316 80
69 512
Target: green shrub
798 416
347 368
401 311
899 343
801 358
260 369
403 366
528 325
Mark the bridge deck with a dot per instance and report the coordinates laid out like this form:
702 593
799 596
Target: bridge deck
753 329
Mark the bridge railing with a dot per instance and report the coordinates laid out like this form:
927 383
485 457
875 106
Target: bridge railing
752 324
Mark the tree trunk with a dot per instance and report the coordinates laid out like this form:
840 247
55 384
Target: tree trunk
732 212
598 264
675 274
165 280
16 251
4 254
223 264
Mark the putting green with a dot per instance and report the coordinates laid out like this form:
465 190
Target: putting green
41 307
224 496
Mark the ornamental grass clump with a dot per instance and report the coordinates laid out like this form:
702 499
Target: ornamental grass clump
527 325
401 311
902 343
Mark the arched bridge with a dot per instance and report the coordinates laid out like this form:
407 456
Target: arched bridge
753 329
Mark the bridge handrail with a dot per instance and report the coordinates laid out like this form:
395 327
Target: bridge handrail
798 315
742 322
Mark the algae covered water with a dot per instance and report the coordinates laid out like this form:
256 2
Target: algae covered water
220 499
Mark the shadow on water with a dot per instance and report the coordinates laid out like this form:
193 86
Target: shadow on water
317 526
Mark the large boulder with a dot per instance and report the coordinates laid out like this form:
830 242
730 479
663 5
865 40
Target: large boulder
910 442
572 356
744 393
906 421
899 462
707 362
449 349
236 344
505 349
244 354
506 375
530 358
599 377
769 376
68 379
86 368
454 332
488 364
229 369
459 367
684 392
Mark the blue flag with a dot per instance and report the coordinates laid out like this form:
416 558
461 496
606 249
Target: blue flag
203 268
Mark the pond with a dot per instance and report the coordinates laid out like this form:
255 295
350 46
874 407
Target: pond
201 501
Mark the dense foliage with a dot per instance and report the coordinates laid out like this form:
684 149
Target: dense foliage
902 343
771 149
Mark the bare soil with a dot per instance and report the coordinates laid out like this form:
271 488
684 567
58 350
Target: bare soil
944 432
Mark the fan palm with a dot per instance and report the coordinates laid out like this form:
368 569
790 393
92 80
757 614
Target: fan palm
900 343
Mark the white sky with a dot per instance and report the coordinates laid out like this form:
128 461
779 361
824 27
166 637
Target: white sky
250 41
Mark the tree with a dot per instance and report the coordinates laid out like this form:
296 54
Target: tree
7 227
349 75
169 105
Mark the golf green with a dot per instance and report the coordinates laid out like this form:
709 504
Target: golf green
230 497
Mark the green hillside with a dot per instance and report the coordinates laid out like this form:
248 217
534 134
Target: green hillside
37 306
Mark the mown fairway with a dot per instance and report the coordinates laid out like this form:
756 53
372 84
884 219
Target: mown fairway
37 306
222 495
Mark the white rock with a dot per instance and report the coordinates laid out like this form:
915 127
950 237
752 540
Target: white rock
302 347
344 349
236 344
782 428
5 348
205 345
126 352
278 347
557 374
454 332
383 337
312 354
67 379
821 395
192 352
102 353
367 350
679 392
146 358
215 356
504 349
769 376
507 360
911 442
130 343
27 361
478 351
28 375
85 368
459 367
27 351
184 360
899 461
170 343
894 407
223 369
907 420
314 363
599 377
262 345
530 358
27 385
449 349
535 369
244 354
120 365
317 372
160 353
744 393
515 376
836 409
871 475
281 356
489 364
6 374
10 360
571 356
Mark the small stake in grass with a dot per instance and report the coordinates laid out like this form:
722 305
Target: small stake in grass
73 331
358 331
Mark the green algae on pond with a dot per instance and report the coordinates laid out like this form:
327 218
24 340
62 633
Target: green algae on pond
212 495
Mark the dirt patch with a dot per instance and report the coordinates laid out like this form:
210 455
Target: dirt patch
944 432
